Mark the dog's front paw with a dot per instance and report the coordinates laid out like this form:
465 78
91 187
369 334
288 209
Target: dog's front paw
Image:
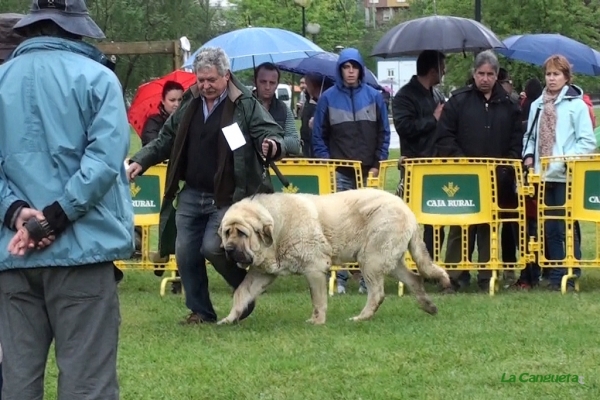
316 321
225 321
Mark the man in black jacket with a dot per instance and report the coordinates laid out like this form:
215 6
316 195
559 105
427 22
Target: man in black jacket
416 109
480 120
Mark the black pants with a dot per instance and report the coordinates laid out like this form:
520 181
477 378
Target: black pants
427 229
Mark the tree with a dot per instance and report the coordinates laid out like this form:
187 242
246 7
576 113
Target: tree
570 18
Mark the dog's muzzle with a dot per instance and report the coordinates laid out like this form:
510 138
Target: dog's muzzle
238 256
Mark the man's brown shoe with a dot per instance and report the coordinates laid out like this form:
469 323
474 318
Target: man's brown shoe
195 319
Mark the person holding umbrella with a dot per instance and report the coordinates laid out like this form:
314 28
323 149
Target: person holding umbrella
559 125
417 108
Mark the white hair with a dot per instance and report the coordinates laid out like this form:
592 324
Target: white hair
212 57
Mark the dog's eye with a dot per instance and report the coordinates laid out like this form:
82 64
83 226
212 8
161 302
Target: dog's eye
242 234
227 232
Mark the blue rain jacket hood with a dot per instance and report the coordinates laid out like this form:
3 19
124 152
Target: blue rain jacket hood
346 55
351 123
64 137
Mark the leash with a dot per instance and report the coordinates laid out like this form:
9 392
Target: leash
266 163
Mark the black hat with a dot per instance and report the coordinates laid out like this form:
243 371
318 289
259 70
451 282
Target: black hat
70 15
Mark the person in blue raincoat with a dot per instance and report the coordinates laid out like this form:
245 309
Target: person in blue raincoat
9 40
351 123
65 207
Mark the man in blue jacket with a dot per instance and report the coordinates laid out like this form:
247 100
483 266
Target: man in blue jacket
351 123
65 206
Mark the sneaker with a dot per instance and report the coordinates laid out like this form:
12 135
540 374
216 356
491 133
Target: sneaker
341 289
362 289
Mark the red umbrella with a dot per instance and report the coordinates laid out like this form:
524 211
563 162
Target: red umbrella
148 97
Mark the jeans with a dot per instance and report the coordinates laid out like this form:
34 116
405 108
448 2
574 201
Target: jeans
343 183
197 219
555 195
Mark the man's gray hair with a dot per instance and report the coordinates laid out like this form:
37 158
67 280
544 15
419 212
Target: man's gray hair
212 57
486 57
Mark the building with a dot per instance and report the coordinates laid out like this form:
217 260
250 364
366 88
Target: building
381 11
394 73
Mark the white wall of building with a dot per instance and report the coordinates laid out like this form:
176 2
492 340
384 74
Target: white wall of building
395 73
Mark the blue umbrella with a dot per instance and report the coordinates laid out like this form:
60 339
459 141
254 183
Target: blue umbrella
323 64
536 48
249 47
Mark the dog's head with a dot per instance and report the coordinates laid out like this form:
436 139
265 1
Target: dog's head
246 231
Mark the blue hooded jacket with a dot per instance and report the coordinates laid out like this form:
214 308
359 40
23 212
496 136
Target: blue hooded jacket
64 137
351 123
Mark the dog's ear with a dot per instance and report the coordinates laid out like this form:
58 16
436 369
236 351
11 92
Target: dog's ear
267 235
264 226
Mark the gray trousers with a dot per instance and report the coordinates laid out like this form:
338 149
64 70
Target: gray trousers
78 308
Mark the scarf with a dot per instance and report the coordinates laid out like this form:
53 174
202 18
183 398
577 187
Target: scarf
547 125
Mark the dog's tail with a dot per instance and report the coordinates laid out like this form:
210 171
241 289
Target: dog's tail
425 266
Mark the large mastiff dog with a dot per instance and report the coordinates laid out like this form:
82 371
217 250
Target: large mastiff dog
282 234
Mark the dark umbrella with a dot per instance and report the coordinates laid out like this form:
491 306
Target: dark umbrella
439 32
9 39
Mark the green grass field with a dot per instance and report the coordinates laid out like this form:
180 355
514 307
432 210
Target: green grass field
403 353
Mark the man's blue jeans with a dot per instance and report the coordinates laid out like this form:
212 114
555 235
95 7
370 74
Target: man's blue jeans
554 230
343 183
197 219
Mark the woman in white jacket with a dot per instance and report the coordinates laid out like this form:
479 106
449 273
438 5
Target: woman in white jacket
559 125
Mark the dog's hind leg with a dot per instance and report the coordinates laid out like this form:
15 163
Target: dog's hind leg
427 269
372 268
253 284
415 285
317 280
